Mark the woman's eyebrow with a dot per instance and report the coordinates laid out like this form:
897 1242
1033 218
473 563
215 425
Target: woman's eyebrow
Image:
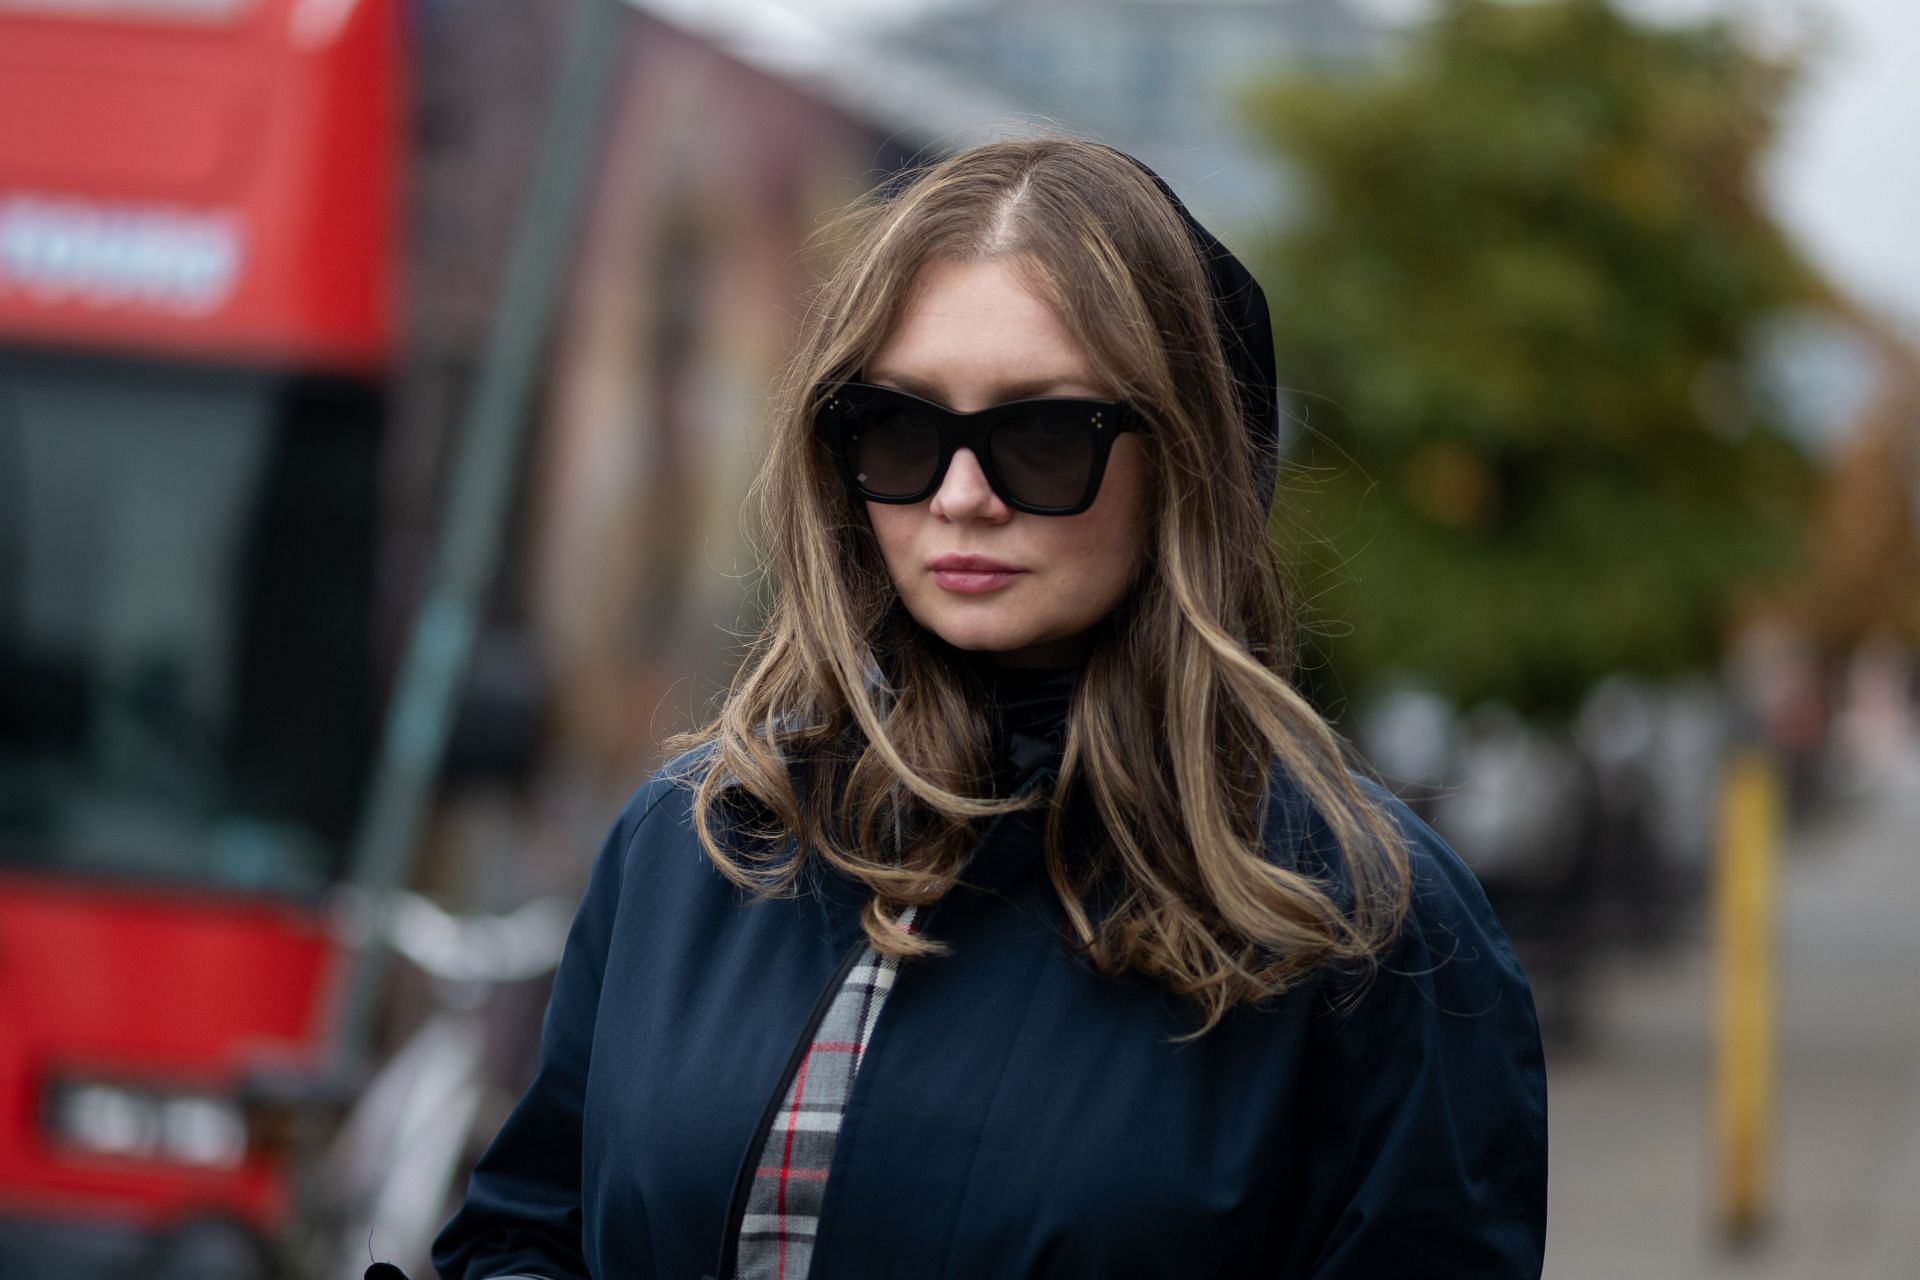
1023 390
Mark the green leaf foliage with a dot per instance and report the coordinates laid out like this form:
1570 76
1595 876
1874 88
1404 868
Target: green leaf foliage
1515 312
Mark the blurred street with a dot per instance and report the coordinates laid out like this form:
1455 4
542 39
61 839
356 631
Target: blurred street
1632 1183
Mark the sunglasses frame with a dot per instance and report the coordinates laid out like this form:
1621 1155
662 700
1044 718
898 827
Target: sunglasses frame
1106 420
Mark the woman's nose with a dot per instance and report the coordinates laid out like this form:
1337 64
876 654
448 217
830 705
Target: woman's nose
964 493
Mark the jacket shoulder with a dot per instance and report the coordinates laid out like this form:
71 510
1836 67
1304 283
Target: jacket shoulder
1298 836
1446 902
678 776
658 805
1449 935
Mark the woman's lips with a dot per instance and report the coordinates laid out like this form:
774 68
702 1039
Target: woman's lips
972 582
972 575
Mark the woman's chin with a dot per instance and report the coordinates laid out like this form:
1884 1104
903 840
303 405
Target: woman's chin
985 643
1015 646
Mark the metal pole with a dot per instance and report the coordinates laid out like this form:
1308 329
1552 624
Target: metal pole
1745 1000
440 646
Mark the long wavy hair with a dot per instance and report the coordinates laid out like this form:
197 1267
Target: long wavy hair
882 772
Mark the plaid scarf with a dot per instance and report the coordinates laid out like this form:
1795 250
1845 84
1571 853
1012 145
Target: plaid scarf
790 1179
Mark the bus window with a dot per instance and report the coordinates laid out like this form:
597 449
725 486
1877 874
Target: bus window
185 567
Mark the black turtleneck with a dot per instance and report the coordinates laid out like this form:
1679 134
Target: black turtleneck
1027 718
1026 707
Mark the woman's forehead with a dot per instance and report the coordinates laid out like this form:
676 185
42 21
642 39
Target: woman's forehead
979 328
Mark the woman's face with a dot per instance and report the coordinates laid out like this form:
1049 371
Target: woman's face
973 336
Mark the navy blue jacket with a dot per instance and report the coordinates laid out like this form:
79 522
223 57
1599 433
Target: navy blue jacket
1018 1113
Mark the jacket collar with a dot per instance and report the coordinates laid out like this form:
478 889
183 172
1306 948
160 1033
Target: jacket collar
1028 726
1007 860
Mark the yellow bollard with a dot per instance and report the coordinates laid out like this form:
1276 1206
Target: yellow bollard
1745 998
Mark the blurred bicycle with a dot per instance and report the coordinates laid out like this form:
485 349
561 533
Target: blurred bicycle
390 1173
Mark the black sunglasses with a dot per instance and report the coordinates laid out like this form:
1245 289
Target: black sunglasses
1044 456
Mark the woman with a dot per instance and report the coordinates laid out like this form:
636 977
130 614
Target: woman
1014 916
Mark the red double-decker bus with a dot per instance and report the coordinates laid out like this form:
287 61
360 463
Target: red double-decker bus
198 240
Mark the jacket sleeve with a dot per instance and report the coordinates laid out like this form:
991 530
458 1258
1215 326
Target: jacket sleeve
522 1213
1444 1098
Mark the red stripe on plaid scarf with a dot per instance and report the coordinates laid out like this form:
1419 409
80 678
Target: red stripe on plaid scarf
786 1163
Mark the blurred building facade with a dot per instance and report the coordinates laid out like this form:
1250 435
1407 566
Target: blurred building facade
623 599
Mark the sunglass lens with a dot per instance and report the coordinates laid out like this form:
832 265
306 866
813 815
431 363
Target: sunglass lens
1044 457
894 451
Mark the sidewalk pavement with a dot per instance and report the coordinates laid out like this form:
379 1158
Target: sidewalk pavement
1632 1194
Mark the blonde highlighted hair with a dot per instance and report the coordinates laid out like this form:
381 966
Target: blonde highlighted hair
1184 702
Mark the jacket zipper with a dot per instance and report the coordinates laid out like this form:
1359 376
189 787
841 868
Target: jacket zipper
743 1179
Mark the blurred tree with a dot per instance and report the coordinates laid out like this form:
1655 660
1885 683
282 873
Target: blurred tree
1862 577
1515 307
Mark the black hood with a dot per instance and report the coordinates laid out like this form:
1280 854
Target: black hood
1246 334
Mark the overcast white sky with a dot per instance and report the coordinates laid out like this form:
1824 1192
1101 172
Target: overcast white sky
1846 178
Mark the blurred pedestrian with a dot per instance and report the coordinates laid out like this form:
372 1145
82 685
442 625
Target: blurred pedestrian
1015 916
